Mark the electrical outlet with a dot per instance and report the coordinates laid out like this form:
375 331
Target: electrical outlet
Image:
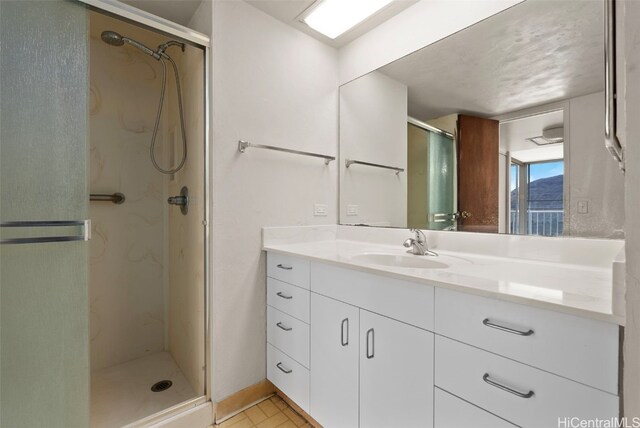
352 210
583 207
320 210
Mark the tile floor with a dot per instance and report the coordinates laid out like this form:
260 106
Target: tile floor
121 394
270 413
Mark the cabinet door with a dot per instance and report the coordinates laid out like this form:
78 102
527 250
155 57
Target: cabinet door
334 363
396 373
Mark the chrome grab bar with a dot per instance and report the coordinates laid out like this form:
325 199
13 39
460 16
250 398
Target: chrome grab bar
507 329
485 378
350 162
243 145
84 236
116 198
611 141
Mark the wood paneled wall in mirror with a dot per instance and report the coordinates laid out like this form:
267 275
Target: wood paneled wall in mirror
498 128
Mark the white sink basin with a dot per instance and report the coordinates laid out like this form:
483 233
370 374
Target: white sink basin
400 261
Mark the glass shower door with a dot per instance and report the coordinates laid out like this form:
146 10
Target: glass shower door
44 355
441 194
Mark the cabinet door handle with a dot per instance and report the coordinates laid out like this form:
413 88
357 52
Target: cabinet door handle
285 328
507 329
344 338
370 344
286 371
285 267
284 296
506 388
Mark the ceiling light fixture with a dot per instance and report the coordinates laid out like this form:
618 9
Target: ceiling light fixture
334 17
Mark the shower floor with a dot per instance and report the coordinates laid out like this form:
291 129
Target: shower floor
122 394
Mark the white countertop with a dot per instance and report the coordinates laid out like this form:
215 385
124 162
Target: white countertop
571 288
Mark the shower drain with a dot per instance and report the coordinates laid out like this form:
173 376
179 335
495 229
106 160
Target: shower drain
163 385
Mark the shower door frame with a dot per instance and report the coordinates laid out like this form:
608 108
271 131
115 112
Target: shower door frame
146 20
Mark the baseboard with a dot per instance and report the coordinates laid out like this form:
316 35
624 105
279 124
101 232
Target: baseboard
297 408
244 398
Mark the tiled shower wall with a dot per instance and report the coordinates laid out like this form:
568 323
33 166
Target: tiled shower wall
128 270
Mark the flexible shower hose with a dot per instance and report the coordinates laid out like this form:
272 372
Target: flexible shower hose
157 124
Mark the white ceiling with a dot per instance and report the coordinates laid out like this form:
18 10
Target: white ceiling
534 53
179 11
288 11
513 135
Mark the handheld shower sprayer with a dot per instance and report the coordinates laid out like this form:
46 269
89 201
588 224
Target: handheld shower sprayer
114 39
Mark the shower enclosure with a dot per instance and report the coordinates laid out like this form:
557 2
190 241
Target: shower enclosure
103 269
431 178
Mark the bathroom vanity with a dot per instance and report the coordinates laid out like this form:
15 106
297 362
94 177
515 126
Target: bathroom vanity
362 334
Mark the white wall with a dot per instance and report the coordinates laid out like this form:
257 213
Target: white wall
415 27
630 130
373 128
202 19
593 176
273 85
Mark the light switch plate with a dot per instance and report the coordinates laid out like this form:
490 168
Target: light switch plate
352 210
320 210
583 207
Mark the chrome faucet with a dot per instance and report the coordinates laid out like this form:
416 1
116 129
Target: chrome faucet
418 245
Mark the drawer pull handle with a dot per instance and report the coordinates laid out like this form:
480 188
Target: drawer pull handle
507 329
370 340
285 328
284 296
506 388
286 371
344 338
285 267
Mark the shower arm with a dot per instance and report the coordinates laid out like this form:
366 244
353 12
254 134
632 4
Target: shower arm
163 47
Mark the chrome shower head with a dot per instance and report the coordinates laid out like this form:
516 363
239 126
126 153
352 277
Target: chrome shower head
112 38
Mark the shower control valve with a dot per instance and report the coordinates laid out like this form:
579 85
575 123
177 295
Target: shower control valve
182 200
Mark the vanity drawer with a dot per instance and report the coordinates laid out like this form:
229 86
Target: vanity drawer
288 298
452 412
404 301
578 348
288 269
289 335
288 376
462 370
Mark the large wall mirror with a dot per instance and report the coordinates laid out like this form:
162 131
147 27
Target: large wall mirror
497 128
